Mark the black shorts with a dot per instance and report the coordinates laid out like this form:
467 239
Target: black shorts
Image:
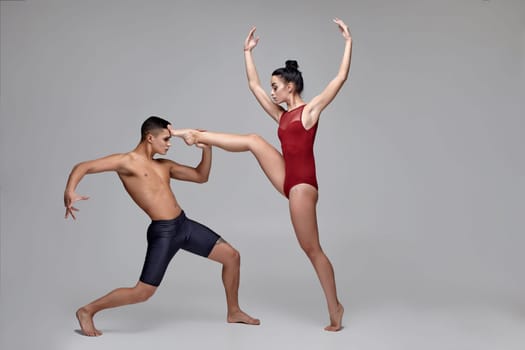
166 237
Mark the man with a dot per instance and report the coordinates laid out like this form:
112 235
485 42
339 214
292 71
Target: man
147 180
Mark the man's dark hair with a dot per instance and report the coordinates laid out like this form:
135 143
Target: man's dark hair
151 124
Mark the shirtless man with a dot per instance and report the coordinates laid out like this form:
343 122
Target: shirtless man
147 180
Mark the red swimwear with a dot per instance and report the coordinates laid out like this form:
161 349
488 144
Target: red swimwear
297 145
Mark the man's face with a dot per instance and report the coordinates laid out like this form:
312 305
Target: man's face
161 142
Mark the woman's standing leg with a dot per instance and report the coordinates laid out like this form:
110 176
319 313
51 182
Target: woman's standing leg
303 201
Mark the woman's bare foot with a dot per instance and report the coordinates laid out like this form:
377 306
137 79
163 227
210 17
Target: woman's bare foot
242 317
336 319
85 319
188 135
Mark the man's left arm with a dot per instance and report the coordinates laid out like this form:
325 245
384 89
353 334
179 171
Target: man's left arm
204 167
198 174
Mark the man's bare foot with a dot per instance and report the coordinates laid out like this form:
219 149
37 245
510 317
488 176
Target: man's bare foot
336 319
242 317
85 319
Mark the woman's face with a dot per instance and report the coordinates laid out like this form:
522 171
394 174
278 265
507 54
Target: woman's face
280 89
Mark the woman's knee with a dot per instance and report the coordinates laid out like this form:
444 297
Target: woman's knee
312 250
255 141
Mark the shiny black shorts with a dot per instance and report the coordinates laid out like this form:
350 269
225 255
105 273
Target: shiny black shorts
166 237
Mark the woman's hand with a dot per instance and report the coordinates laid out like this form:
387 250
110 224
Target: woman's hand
343 28
251 41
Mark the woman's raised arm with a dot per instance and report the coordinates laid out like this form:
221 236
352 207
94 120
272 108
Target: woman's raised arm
274 110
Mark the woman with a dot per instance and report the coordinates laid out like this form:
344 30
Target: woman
293 172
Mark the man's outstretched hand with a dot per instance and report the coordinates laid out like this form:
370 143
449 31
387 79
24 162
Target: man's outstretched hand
69 199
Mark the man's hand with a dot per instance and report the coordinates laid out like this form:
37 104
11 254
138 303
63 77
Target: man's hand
203 145
70 198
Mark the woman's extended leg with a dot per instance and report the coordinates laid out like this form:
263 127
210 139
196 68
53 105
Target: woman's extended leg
303 200
270 160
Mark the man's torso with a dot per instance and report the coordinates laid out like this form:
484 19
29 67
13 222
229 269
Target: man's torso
148 182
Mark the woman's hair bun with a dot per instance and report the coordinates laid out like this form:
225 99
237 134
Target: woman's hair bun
292 64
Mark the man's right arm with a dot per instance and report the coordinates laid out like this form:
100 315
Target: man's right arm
110 163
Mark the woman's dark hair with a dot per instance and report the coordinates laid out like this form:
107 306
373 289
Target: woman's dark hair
291 74
152 123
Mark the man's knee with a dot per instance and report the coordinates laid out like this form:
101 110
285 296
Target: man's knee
143 292
225 254
233 256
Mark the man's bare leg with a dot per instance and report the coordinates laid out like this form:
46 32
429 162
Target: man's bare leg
230 260
118 297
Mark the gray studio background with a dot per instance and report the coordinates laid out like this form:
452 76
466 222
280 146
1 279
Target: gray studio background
420 156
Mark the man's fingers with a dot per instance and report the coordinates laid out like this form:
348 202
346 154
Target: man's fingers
69 211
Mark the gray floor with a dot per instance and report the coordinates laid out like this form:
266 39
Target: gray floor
188 326
187 312
393 300
388 306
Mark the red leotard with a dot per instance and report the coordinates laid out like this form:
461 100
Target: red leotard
297 145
